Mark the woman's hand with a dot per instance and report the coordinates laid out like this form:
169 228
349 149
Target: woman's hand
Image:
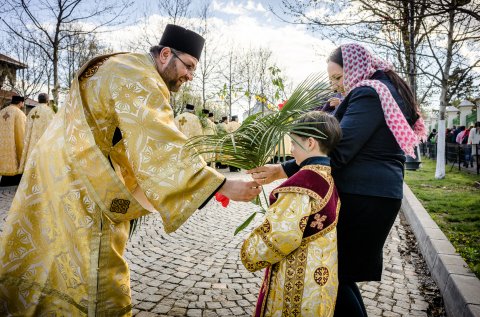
267 173
334 102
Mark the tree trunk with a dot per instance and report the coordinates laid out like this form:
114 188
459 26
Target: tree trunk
412 58
440 168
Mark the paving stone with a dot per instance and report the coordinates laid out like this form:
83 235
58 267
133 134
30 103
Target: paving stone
237 311
146 314
142 306
194 313
177 311
213 305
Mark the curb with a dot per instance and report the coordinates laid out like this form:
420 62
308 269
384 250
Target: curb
460 288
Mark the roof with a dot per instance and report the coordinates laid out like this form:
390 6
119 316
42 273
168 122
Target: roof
7 95
11 61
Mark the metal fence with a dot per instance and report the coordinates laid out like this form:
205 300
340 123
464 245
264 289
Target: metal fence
465 156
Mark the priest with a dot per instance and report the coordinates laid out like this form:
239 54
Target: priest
112 155
12 133
188 123
233 125
209 128
38 120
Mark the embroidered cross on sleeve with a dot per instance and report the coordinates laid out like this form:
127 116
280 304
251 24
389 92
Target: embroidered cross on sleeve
318 222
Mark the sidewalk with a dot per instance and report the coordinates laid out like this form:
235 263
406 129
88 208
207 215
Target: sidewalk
196 271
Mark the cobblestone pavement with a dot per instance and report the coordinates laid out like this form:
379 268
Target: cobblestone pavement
196 271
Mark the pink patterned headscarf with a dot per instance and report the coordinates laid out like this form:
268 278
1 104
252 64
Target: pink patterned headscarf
358 66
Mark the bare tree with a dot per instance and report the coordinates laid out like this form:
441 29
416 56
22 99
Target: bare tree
391 26
176 10
30 81
48 23
458 30
80 48
231 91
248 75
208 67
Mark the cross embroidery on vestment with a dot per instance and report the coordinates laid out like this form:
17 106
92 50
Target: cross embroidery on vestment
182 121
6 116
318 223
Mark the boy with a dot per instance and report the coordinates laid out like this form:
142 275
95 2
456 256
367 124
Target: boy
297 242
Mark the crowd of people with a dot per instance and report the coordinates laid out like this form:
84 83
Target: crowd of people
115 152
467 138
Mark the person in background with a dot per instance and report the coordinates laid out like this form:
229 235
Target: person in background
112 155
459 134
297 241
209 128
474 140
188 123
38 120
381 124
432 136
12 135
233 125
222 125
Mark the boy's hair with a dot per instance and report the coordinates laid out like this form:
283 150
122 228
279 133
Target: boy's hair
328 132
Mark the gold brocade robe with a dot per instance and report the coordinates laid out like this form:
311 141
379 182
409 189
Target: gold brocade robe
62 248
12 133
232 126
189 124
297 243
38 120
210 129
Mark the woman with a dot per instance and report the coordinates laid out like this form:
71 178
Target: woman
474 140
376 117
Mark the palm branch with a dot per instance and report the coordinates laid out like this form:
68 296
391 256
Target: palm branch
254 143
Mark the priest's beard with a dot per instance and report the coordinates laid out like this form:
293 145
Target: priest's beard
171 78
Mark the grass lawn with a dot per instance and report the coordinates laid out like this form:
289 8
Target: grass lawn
454 204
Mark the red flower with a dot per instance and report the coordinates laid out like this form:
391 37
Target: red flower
280 105
224 200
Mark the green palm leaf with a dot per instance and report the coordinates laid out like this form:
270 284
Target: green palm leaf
254 143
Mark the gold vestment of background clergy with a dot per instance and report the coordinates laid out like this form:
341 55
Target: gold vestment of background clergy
12 133
38 120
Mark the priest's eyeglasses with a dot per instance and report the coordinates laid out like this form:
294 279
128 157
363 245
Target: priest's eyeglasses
189 68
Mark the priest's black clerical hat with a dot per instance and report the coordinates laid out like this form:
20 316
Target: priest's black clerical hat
205 111
190 106
224 118
17 99
234 117
210 114
183 40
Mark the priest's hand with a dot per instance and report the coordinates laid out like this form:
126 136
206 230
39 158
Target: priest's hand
239 190
267 173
